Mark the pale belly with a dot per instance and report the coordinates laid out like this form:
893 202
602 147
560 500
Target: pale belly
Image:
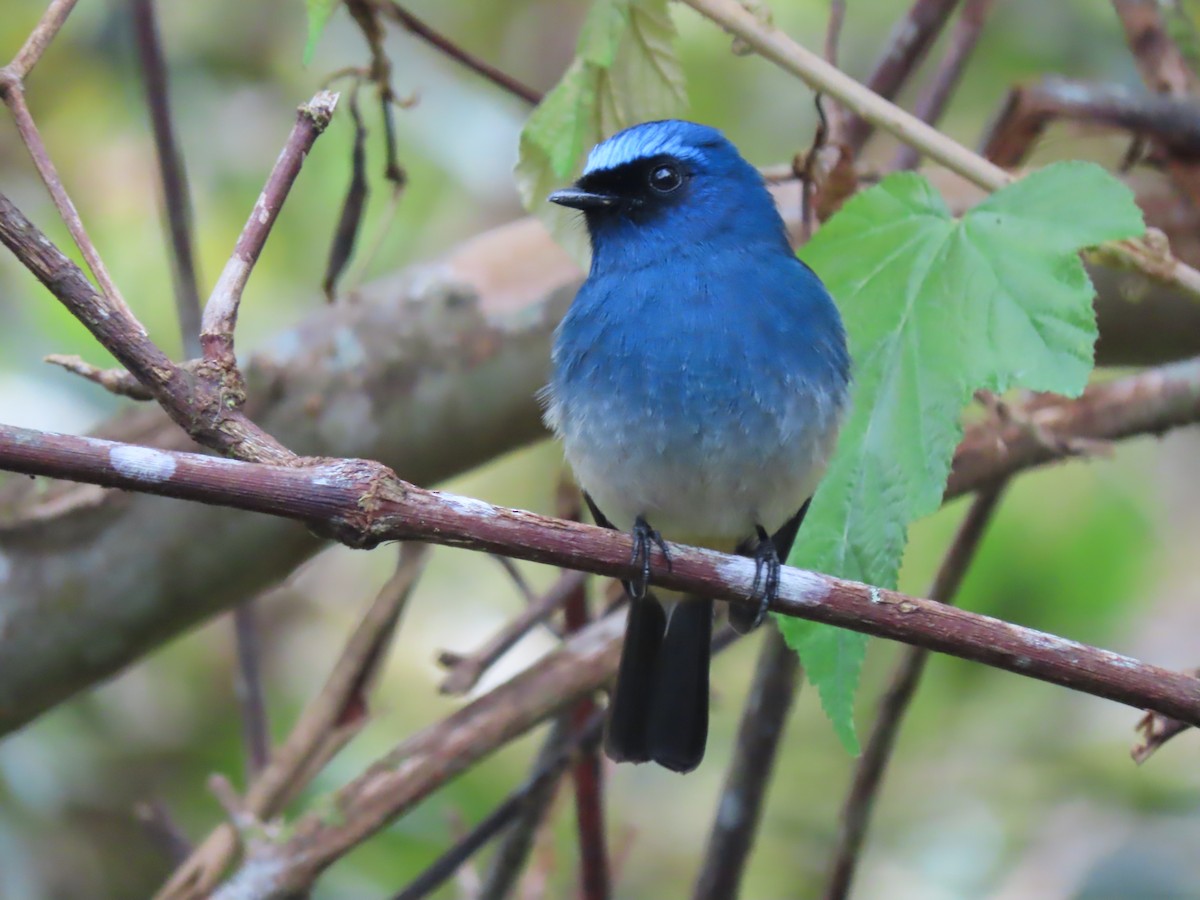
704 480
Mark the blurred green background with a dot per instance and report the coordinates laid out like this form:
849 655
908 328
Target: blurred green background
1001 787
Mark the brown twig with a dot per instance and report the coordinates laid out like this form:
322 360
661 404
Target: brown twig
739 809
12 92
869 771
115 381
1164 71
335 715
934 96
221 310
511 856
414 25
256 731
587 773
910 40
35 45
1173 124
172 174
1156 730
557 753
163 830
465 671
363 504
203 406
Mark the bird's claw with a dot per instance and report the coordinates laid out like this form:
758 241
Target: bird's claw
644 539
766 582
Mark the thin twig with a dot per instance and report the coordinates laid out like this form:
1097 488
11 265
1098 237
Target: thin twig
248 686
587 774
13 94
1165 71
163 830
221 310
465 671
501 79
200 405
868 773
171 172
556 755
115 381
908 43
327 723
510 857
934 96
1149 255
776 682
35 45
1156 730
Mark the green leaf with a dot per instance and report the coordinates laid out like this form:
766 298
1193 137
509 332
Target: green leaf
936 308
625 71
319 12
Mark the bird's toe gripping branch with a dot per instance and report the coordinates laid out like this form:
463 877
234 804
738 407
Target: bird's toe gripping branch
645 539
765 589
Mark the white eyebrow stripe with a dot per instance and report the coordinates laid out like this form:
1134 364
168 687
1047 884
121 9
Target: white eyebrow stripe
630 146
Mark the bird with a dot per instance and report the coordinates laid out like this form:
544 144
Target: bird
698 381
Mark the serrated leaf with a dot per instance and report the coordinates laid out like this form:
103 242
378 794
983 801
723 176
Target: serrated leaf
625 71
936 308
319 12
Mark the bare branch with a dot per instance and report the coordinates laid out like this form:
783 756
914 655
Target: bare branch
556 755
1164 71
115 381
172 176
220 312
13 94
256 732
35 45
511 856
869 771
465 671
934 96
163 830
739 809
427 760
335 715
501 79
1156 730
363 503
910 40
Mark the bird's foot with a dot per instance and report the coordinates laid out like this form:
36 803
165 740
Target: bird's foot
766 584
645 539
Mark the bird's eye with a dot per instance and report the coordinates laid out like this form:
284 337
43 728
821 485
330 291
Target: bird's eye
664 179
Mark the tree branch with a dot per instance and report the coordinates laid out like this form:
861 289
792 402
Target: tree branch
414 25
910 40
363 503
934 96
327 723
776 683
172 176
220 312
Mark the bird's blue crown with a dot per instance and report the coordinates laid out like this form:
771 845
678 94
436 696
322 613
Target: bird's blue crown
667 137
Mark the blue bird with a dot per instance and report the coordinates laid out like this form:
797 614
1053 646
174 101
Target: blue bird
698 383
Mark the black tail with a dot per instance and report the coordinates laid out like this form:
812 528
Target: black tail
659 707
626 739
678 727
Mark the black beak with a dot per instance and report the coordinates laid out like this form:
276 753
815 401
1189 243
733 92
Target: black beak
579 199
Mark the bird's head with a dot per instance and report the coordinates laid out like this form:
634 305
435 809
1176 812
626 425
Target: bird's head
671 186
